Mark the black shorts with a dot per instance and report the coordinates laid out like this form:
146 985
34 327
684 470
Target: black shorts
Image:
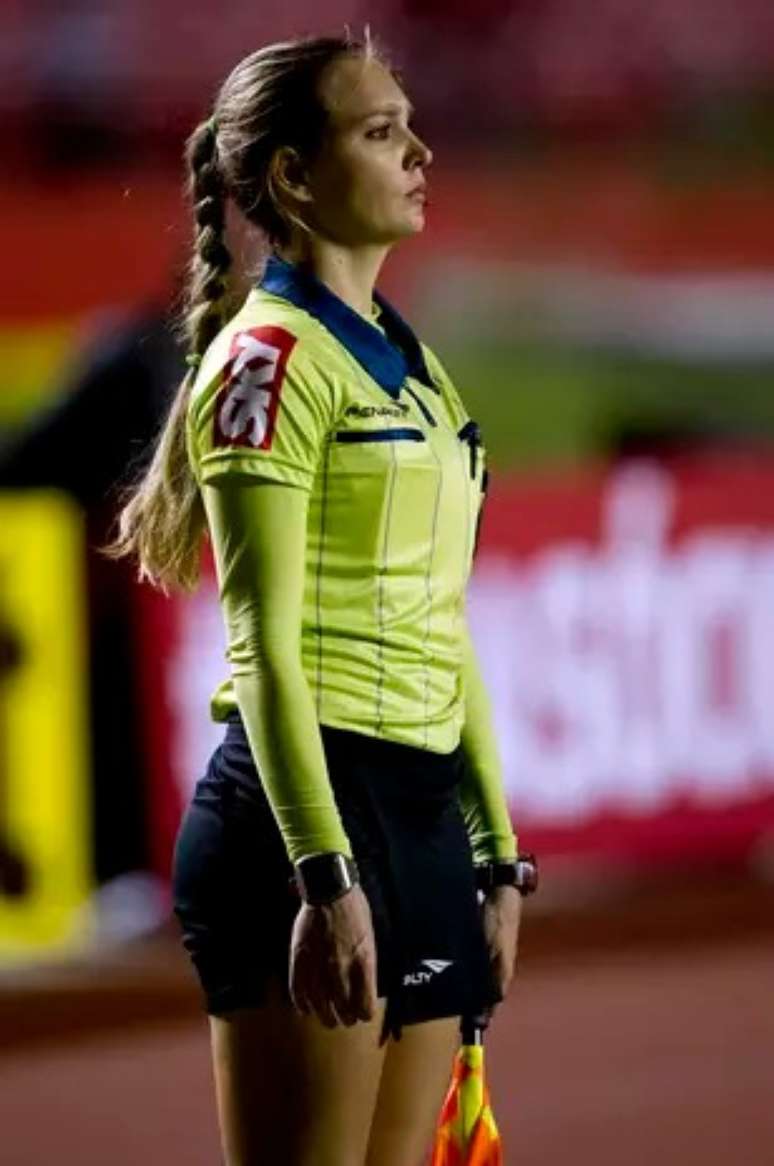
235 901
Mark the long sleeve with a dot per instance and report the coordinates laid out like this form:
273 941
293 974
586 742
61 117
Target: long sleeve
482 795
258 531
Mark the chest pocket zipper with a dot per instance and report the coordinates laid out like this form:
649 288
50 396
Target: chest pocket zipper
471 433
400 434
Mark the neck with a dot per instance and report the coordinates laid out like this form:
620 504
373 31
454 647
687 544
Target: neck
349 272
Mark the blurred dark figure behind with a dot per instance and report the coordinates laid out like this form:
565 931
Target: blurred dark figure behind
89 443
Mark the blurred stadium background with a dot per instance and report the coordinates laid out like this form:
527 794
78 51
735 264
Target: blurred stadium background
598 273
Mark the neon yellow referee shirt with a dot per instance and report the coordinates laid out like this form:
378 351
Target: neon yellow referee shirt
300 390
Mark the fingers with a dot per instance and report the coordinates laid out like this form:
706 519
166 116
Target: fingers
300 999
320 992
336 996
333 962
326 1011
503 968
310 997
352 989
501 917
362 986
299 994
370 1002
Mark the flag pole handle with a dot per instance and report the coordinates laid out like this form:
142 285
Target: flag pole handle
472 1027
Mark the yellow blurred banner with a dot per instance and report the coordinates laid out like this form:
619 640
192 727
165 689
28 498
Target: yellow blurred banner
45 838
34 360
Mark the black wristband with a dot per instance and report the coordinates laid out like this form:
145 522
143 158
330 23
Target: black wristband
521 873
322 878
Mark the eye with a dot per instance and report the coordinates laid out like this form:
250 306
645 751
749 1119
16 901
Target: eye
381 132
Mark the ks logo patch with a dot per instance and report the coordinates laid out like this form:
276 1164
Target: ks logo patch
246 408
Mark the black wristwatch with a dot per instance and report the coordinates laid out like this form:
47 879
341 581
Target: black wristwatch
521 873
323 878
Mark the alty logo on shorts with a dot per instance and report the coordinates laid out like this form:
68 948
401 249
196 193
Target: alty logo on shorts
426 971
246 409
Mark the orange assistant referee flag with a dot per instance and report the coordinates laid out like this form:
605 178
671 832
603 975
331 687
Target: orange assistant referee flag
466 1133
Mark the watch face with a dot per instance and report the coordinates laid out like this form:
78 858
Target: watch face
526 874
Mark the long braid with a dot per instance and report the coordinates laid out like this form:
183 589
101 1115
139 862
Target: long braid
207 290
163 521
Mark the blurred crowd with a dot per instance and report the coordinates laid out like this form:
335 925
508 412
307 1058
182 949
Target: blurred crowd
89 80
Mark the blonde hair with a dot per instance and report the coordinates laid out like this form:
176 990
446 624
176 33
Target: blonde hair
269 100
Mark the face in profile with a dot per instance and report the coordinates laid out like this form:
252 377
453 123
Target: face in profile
367 184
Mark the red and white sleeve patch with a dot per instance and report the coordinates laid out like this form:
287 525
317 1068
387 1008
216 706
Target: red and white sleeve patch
247 403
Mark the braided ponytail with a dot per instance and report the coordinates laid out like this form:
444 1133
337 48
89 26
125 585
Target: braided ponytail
163 520
211 261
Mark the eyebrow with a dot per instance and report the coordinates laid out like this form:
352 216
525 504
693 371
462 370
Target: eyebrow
391 109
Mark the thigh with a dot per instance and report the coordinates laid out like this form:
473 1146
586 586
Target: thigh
290 1090
415 1077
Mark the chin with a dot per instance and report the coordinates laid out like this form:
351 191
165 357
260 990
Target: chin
413 224
392 225
387 236
417 218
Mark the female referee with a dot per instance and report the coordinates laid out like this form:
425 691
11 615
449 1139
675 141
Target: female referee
325 871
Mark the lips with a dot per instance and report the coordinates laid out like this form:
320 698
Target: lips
419 192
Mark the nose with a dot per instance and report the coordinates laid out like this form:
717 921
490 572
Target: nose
418 154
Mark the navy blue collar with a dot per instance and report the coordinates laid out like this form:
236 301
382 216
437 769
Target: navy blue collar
388 358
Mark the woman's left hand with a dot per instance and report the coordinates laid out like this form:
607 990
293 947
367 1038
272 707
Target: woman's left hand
501 918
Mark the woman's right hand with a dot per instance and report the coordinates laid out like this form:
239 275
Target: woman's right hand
333 960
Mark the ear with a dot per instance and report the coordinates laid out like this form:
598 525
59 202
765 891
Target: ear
289 174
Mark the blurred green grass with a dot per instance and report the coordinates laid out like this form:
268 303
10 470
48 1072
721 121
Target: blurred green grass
537 405
559 406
